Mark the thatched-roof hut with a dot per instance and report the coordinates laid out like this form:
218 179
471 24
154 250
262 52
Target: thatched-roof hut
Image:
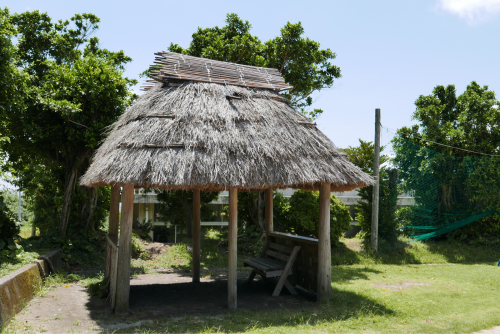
207 125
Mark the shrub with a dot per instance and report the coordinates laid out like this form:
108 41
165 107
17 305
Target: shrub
9 231
303 215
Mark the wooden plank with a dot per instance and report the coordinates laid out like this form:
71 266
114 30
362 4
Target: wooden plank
277 255
268 200
252 276
281 247
253 264
292 237
324 247
269 264
196 235
286 272
124 251
232 249
290 288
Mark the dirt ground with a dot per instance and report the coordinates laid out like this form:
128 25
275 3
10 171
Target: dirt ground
71 310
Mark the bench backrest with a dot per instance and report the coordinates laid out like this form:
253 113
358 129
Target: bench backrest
277 251
305 269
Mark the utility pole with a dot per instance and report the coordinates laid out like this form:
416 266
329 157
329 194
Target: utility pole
376 175
20 216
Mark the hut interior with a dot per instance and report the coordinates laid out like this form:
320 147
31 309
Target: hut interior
211 125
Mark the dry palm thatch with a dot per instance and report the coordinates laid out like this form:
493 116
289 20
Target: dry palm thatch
209 136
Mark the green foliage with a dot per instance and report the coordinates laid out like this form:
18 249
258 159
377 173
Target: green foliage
302 216
68 90
177 206
100 289
300 60
9 233
450 182
363 156
11 200
142 229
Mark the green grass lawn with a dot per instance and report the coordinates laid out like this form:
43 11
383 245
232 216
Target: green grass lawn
378 298
432 287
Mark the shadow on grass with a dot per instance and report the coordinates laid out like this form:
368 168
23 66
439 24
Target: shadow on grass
154 300
458 252
344 255
346 274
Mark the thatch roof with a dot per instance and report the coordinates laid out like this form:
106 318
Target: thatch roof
209 136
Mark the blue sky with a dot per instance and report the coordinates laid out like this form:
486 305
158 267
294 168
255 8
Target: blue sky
390 52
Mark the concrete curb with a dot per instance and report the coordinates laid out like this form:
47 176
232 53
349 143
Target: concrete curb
17 288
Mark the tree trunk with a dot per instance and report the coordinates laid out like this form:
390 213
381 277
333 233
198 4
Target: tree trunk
188 214
69 187
87 212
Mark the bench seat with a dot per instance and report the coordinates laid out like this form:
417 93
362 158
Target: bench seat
273 263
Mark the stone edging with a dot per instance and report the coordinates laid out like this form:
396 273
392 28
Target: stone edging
17 288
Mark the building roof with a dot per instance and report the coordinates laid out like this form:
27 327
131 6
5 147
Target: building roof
212 136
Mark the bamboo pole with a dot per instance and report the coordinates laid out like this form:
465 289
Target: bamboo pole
376 172
124 252
232 249
269 211
196 235
324 248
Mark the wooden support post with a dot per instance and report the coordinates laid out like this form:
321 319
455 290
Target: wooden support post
376 176
324 248
114 215
114 211
196 235
232 248
269 211
124 251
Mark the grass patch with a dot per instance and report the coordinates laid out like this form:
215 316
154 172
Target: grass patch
382 298
351 251
21 260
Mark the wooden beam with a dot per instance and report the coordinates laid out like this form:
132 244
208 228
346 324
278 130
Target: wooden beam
124 251
324 248
196 235
232 248
114 211
269 211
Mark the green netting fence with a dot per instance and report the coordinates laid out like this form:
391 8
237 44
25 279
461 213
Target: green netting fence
449 191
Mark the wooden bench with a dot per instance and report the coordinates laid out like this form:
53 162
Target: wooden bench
274 261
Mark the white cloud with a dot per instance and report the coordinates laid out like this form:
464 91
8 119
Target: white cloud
472 11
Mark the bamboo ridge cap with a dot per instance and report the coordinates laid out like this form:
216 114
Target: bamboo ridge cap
170 65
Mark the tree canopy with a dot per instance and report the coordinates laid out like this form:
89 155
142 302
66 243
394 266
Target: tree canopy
300 60
71 90
452 156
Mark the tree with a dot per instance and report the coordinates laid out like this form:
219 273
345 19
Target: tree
302 215
177 206
75 90
442 146
300 60
362 156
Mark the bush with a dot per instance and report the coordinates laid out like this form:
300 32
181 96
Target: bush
482 232
303 216
9 231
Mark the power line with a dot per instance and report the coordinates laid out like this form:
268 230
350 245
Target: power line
433 142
